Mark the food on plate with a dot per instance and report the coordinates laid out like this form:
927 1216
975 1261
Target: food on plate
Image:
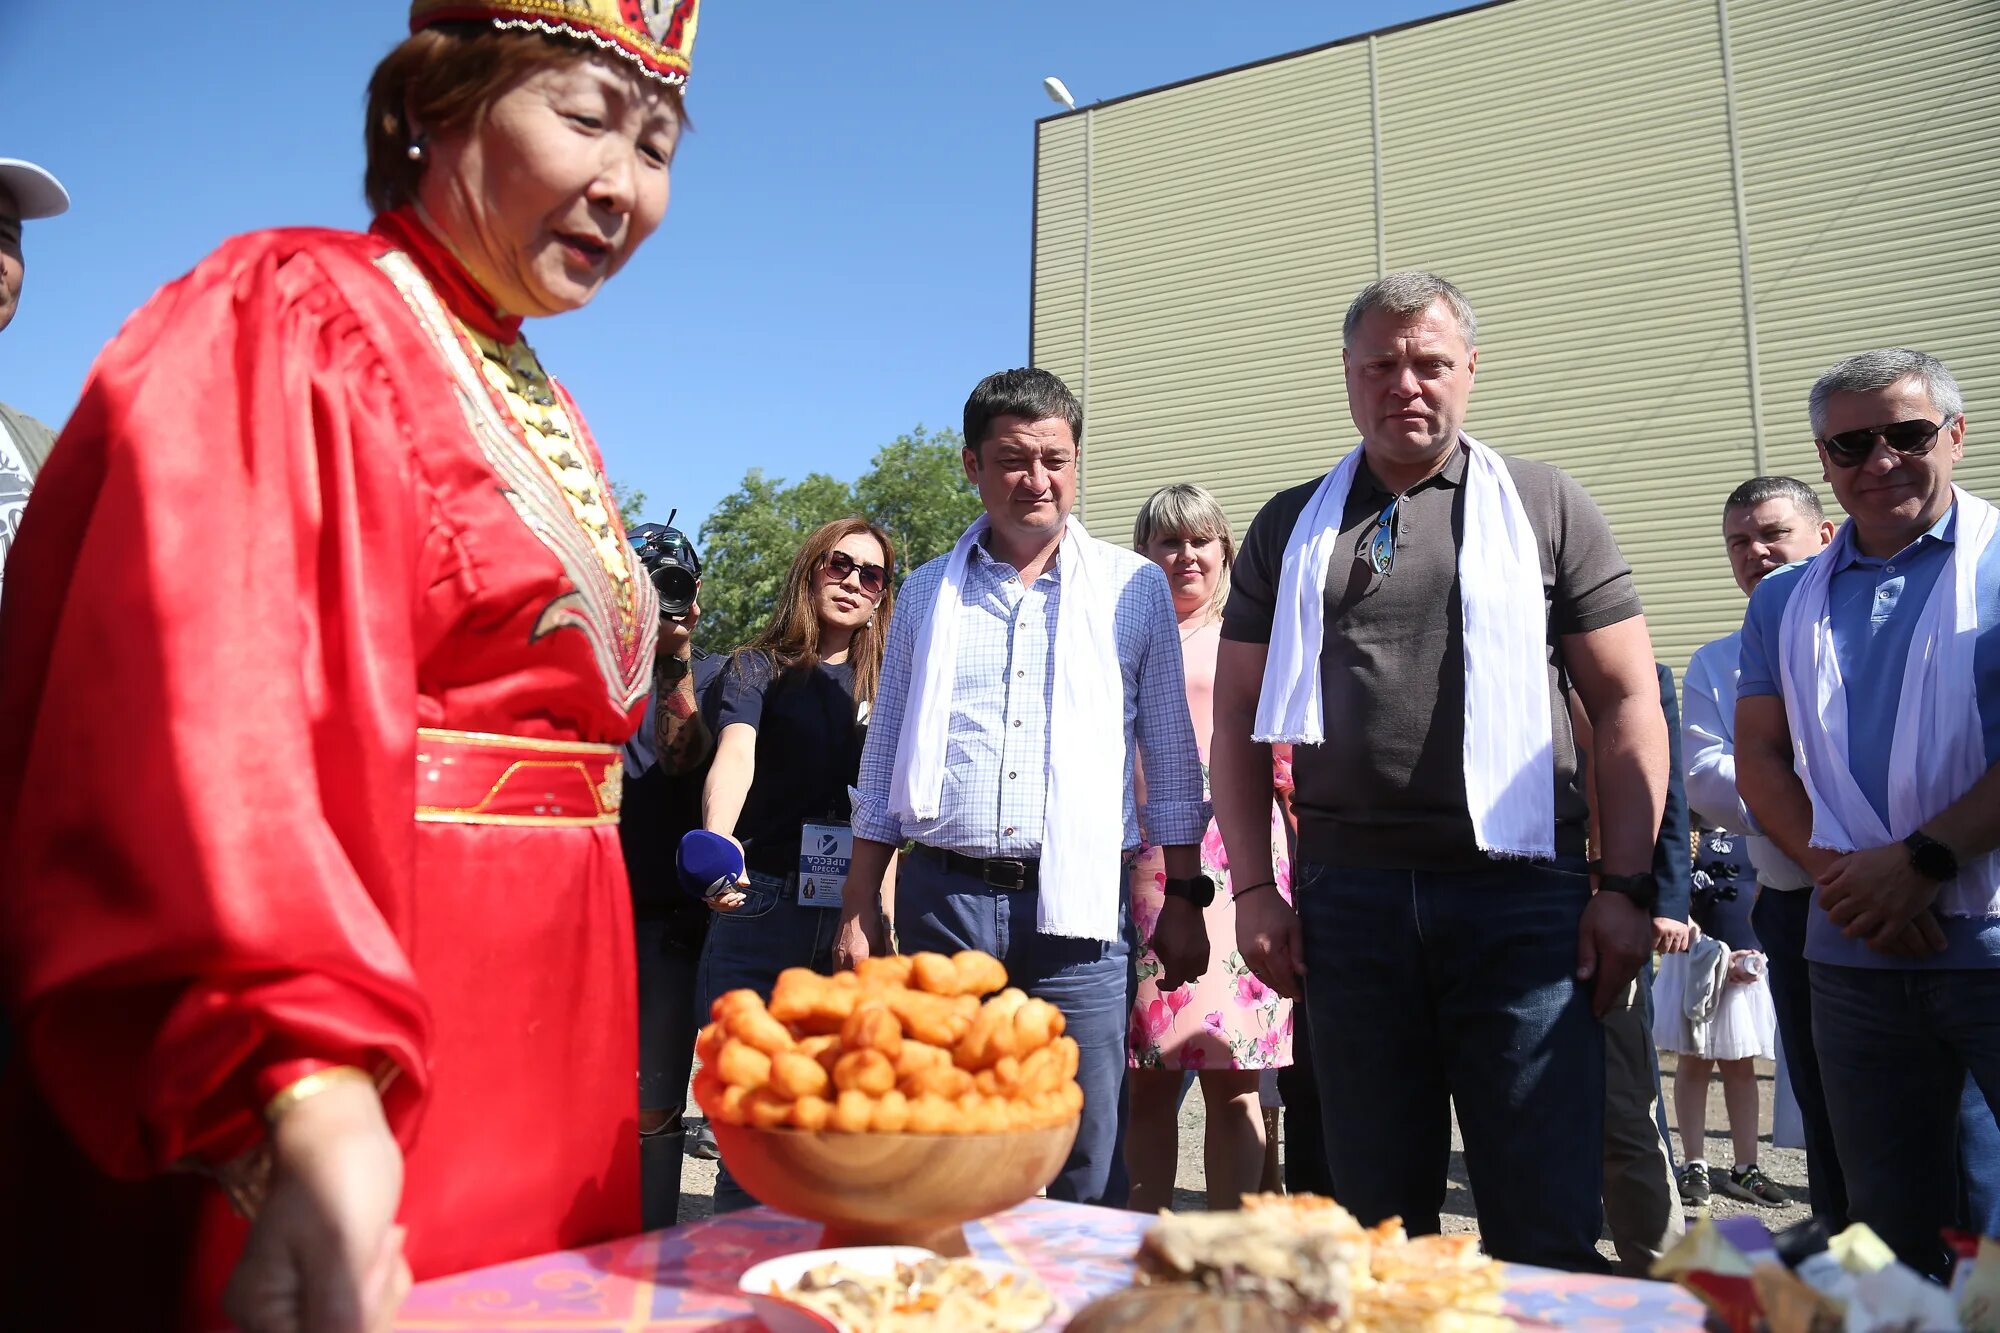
1179 1309
901 1044
1308 1259
934 1295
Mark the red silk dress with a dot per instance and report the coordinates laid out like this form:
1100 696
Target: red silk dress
316 642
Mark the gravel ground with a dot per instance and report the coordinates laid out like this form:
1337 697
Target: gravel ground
1786 1166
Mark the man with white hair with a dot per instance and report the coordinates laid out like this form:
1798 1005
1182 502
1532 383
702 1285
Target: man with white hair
1868 748
26 192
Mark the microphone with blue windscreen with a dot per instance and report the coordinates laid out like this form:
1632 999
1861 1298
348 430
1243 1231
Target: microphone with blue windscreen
709 864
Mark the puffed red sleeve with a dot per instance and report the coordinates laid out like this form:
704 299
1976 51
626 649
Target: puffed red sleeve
207 704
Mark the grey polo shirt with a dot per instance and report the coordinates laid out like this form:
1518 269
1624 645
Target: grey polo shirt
1387 789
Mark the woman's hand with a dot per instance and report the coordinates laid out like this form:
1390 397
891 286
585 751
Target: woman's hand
1745 966
325 1254
729 899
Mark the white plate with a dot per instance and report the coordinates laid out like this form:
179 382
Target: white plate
784 1316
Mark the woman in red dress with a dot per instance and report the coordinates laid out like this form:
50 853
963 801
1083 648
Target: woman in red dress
319 640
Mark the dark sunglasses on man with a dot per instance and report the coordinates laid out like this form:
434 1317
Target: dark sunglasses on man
1912 439
839 564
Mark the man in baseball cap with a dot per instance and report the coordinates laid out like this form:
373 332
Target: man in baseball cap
26 192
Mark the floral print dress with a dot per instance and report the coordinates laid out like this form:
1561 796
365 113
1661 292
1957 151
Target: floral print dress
1227 1019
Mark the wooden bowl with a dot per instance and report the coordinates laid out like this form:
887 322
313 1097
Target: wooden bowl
893 1189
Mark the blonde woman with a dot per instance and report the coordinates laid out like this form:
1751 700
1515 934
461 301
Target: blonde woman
1226 1027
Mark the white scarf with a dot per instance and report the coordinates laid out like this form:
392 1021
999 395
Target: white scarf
1509 749
1083 828
1939 750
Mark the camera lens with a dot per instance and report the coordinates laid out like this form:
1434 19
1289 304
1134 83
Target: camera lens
676 584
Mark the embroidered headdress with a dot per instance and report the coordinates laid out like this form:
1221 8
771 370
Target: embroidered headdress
657 35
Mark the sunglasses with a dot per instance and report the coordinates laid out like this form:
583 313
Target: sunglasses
838 565
1912 439
1381 547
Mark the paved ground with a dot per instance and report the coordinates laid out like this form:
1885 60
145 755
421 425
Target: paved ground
1786 1166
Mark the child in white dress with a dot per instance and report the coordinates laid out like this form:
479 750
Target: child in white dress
1712 1008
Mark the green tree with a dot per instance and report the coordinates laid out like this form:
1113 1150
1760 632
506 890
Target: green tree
914 488
748 544
631 504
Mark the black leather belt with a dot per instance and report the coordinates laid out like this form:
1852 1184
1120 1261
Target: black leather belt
999 872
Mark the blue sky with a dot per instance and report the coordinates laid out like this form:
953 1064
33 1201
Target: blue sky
845 255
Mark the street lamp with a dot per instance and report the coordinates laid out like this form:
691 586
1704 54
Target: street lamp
1058 92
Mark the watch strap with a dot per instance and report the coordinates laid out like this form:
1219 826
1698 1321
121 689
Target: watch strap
1641 889
1931 858
1191 889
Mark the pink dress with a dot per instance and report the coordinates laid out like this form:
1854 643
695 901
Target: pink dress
1228 1019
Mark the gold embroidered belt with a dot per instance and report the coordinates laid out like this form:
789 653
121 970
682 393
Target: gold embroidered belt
481 777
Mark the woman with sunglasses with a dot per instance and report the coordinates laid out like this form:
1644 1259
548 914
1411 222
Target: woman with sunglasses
793 713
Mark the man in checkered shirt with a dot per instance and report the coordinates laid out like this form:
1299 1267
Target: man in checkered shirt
971 880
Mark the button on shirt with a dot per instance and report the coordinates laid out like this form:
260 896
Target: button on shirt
997 741
1874 606
1708 740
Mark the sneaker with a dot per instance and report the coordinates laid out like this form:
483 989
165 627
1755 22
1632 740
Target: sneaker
1750 1184
1694 1184
702 1146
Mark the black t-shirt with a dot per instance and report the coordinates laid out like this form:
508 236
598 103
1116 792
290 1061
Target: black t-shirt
808 752
1387 789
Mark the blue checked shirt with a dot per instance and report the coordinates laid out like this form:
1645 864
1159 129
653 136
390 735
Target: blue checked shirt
996 763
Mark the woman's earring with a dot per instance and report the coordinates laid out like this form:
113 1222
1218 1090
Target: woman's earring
415 152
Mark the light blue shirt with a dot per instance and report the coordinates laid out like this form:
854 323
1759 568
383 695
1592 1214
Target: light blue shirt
1874 605
1708 748
997 741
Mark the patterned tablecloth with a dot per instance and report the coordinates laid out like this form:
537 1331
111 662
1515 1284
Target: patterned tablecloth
685 1278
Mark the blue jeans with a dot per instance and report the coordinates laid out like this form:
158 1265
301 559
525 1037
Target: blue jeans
746 949
1433 988
1091 981
1779 918
1895 1049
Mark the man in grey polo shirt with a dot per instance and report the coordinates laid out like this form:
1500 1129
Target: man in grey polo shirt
26 192
1413 622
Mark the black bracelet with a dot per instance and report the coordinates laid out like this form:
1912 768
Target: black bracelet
1236 893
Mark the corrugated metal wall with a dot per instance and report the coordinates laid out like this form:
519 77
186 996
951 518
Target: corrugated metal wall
1223 219
1568 162
1874 220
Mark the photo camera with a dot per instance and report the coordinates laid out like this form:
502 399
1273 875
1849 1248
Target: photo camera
671 561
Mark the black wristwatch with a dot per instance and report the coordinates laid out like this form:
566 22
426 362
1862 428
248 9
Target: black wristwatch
1933 859
673 669
1641 889
1200 890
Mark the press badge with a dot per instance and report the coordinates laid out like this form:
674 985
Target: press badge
824 853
